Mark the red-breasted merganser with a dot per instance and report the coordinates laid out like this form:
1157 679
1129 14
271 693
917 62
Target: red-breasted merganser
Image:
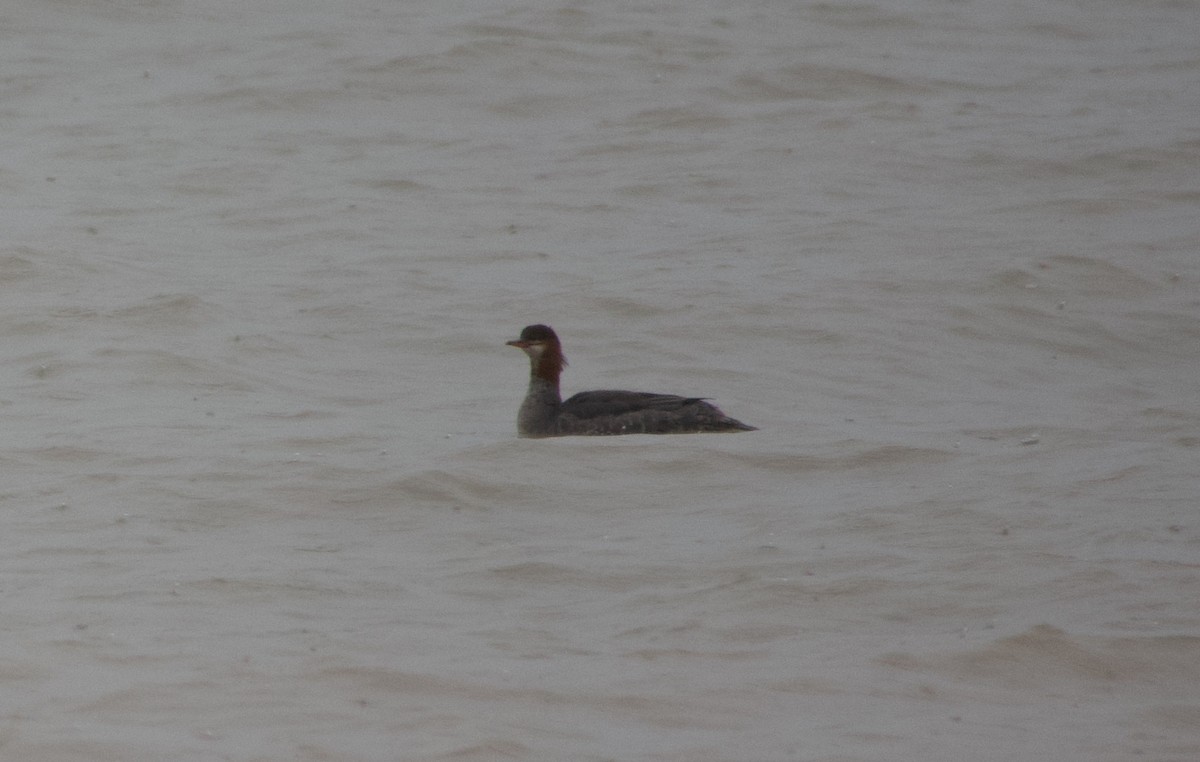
544 414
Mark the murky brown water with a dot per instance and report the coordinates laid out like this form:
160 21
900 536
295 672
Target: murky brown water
262 494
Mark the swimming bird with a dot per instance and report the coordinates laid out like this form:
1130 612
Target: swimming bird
607 411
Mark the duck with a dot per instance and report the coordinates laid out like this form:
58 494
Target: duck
603 412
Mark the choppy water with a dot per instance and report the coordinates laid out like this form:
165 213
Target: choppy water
262 495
